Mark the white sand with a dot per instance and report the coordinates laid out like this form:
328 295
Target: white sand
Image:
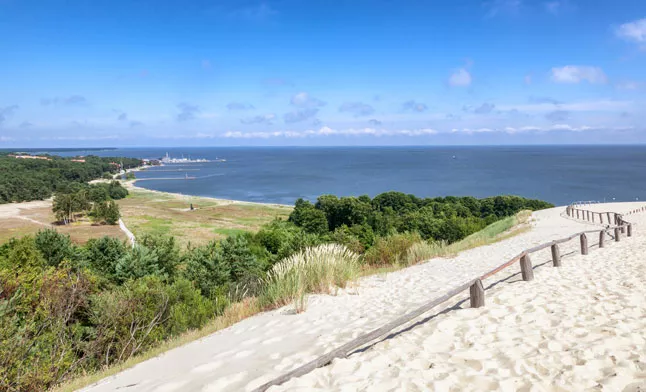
572 328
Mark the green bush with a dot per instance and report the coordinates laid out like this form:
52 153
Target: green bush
54 246
391 250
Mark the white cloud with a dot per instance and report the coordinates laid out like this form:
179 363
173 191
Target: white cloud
326 131
577 74
585 106
633 31
460 78
304 100
551 128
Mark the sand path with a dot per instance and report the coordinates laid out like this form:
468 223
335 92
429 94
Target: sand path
267 345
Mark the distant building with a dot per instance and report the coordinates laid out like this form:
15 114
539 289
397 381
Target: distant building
30 157
78 160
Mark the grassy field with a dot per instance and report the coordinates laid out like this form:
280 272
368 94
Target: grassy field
18 220
145 211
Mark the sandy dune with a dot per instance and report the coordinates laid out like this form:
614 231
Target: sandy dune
574 328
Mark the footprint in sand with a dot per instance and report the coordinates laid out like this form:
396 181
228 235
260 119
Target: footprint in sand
244 354
272 340
223 382
207 367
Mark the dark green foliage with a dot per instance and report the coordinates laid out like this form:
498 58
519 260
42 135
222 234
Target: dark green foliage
205 267
103 254
37 179
312 220
449 218
54 246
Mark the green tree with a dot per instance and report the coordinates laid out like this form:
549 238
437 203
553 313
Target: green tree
54 246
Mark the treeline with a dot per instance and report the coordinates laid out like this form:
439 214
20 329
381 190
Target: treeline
37 179
441 219
67 310
93 200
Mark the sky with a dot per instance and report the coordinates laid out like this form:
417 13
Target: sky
321 72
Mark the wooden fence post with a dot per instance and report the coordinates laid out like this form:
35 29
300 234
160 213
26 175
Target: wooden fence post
584 244
630 230
588 215
602 238
601 218
526 268
609 218
593 217
617 233
577 214
477 294
556 255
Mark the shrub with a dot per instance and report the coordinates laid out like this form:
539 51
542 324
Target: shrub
314 270
423 251
54 246
206 269
137 263
390 250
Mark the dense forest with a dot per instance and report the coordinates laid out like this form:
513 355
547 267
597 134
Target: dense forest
67 310
36 179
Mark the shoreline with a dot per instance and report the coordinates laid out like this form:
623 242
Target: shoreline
132 185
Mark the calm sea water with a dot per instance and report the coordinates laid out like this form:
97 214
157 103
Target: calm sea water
559 174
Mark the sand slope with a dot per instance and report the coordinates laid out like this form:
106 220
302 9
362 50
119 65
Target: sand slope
571 328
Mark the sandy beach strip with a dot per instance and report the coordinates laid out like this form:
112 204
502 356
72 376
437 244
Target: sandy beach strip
265 346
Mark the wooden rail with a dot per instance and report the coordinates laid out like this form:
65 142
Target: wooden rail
475 287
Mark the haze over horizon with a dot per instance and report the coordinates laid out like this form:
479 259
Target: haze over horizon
294 72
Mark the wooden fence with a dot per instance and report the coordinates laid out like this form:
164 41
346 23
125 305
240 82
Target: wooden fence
475 286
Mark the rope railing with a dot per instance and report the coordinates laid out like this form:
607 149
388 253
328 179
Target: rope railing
475 287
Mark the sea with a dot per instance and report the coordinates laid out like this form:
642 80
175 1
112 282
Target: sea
558 174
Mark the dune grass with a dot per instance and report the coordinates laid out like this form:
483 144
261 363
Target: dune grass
320 269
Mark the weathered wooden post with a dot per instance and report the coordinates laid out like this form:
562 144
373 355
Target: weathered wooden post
584 244
587 215
623 226
617 233
602 238
556 255
477 294
526 268
593 217
577 214
601 218
609 218
630 230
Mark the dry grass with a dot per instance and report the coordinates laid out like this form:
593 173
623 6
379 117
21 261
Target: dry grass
30 221
147 212
320 269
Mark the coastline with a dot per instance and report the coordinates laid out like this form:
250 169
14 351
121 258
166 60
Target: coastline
132 185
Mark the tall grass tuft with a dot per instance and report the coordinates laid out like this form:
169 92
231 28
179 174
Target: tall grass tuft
319 269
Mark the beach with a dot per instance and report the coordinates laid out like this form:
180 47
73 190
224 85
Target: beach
575 326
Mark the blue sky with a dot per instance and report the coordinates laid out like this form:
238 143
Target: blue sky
314 72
